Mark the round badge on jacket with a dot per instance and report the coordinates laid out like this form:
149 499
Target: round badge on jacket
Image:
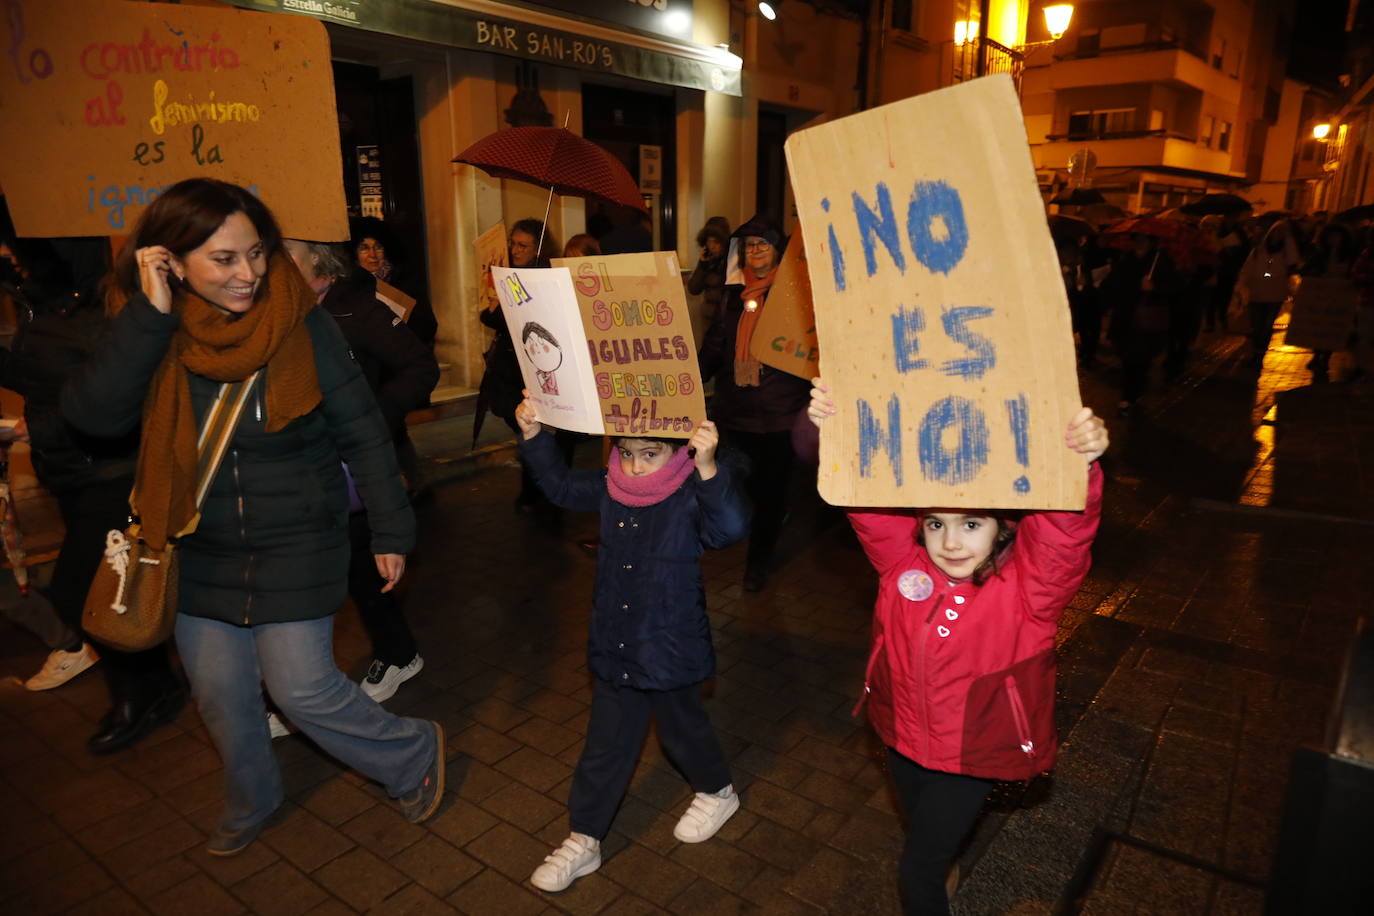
915 585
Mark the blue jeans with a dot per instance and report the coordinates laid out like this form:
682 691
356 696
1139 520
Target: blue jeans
226 665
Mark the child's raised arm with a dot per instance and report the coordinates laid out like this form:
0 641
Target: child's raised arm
527 418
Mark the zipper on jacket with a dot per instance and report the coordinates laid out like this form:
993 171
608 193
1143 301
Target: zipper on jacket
868 674
243 535
1019 717
920 679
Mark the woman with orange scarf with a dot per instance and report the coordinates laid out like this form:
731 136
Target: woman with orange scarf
754 405
206 295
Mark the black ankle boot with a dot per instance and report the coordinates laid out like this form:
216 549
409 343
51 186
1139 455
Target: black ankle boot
130 719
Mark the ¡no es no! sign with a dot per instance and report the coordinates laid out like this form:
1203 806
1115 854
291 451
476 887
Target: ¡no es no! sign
942 319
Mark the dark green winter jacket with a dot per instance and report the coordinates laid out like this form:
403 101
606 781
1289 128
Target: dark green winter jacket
272 543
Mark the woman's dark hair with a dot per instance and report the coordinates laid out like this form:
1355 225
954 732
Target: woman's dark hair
183 217
549 248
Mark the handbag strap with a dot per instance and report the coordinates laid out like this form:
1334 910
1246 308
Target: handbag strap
217 431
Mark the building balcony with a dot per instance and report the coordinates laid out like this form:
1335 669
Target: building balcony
1151 63
1135 149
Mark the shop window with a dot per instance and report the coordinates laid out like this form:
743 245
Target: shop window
1224 137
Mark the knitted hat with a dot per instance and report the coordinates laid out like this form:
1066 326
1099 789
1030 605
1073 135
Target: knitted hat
717 227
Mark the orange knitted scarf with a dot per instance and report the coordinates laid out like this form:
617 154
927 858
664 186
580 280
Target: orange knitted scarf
226 348
747 368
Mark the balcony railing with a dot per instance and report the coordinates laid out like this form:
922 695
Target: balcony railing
982 56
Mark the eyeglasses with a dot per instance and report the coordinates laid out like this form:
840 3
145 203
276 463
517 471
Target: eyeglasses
756 244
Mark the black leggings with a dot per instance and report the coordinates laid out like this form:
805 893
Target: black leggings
939 809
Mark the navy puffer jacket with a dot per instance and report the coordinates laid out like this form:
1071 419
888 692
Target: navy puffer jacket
272 543
649 626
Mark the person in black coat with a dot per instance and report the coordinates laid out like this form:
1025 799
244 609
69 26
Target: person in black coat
379 256
755 405
1140 290
62 328
206 297
401 371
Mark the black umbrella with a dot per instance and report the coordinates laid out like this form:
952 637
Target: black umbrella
1080 197
1217 204
1069 228
1355 214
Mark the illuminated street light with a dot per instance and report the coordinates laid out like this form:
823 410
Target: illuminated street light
1321 131
769 11
1057 19
965 30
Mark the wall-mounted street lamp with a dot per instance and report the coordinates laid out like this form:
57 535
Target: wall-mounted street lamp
769 10
1057 19
1321 131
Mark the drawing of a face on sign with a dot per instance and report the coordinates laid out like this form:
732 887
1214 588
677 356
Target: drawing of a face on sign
545 355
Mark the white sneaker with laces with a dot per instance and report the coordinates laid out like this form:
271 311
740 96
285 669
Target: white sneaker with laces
61 666
707 813
383 679
278 726
579 855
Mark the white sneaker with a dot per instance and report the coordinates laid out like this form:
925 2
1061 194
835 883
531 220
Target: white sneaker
62 666
708 813
383 679
579 855
278 726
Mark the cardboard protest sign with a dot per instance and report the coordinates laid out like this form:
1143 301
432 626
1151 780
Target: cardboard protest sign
939 305
540 309
785 336
106 103
399 303
1323 313
490 248
639 333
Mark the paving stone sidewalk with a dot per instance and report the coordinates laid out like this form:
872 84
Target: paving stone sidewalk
1202 649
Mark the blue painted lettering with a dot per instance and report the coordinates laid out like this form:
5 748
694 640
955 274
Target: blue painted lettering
936 226
961 463
872 438
955 321
906 325
882 225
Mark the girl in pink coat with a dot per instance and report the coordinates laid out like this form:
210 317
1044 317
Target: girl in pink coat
960 679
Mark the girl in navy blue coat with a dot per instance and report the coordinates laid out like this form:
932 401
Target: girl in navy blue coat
662 504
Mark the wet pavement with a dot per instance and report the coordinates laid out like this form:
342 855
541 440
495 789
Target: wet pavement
1204 646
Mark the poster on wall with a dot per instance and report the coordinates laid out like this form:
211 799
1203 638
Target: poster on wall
116 101
940 311
639 334
785 336
540 309
491 251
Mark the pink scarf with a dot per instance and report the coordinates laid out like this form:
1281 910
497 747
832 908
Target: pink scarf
651 488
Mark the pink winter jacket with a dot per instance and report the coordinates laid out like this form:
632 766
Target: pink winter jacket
961 677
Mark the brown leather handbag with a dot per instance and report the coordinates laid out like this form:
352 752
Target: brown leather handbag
132 602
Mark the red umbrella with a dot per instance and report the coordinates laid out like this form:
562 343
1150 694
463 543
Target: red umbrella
1186 244
555 158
